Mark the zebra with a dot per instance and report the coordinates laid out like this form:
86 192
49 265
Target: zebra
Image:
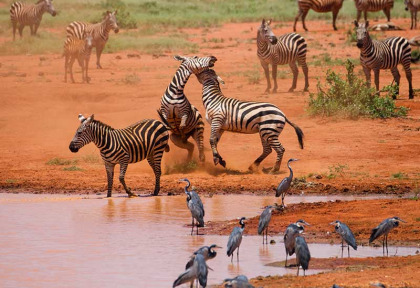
320 6
286 49
146 139
29 14
228 114
184 119
386 54
74 48
373 6
414 6
100 32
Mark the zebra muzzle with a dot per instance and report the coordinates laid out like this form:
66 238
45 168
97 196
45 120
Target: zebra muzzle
73 148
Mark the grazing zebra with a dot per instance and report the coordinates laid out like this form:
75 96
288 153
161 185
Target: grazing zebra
100 32
29 14
286 49
74 48
228 114
146 139
373 6
414 6
184 119
386 54
320 6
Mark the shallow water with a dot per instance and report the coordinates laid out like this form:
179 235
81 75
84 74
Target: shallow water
71 241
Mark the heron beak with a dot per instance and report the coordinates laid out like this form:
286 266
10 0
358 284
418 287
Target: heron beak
217 246
402 220
307 224
332 223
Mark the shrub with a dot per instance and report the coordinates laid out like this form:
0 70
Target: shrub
124 19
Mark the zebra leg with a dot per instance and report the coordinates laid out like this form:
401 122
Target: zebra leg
266 151
21 26
367 75
295 72
181 142
199 139
86 69
155 163
32 29
267 75
297 19
409 77
397 78
71 62
302 63
215 135
303 20
123 170
387 12
335 13
99 49
376 74
109 167
14 24
274 75
66 60
36 26
276 145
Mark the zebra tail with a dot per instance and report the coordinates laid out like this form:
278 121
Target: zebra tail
298 131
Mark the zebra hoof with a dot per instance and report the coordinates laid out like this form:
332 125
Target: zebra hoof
291 89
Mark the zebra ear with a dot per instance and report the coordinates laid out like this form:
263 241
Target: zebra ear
356 24
90 119
179 58
269 22
82 118
263 22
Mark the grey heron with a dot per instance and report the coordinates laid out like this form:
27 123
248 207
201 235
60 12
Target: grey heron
303 256
285 183
264 221
198 271
195 205
383 229
240 281
346 235
208 253
292 231
235 239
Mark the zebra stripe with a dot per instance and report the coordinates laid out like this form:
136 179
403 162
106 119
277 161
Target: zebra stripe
373 6
386 54
414 6
320 6
29 14
228 114
286 49
74 48
146 139
100 32
183 118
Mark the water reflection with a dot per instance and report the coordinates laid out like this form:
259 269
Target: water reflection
62 241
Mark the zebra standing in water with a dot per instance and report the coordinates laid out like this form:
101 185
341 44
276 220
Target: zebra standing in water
373 6
29 14
414 6
386 54
320 6
228 114
146 139
100 32
75 48
286 49
184 119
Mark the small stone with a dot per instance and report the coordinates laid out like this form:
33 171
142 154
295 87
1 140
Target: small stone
272 242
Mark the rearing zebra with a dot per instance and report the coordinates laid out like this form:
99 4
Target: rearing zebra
29 14
146 139
286 49
228 114
184 119
100 32
373 6
386 54
320 6
414 6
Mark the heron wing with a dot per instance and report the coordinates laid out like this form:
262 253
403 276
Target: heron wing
303 256
348 236
283 186
185 277
264 220
201 270
381 229
234 241
197 199
196 211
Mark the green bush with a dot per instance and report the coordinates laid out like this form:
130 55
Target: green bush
352 98
124 19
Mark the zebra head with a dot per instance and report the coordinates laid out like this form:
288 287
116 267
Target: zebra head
111 20
83 134
196 64
361 33
88 37
48 6
209 76
266 32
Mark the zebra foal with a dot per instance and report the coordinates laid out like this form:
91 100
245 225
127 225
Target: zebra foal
320 6
184 119
228 114
80 49
387 54
373 6
146 139
414 6
29 14
100 32
286 49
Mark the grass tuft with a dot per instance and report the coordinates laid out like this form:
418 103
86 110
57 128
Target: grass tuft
61 162
72 168
184 167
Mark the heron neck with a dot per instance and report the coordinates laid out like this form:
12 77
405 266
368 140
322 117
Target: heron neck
291 171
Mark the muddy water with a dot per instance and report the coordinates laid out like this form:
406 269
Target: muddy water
60 241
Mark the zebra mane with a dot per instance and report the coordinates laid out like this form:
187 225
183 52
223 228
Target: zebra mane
101 124
39 1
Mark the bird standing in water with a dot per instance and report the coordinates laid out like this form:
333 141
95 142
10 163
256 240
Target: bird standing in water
292 231
383 229
235 239
208 253
195 205
303 256
285 183
264 221
346 235
198 271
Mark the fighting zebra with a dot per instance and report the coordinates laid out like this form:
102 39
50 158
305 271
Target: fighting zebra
80 49
373 6
414 6
100 32
228 114
184 119
286 49
320 6
146 139
386 54
29 14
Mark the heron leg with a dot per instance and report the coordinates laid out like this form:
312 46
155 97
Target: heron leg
237 255
348 250
266 235
383 246
192 226
231 259
298 271
197 228
285 264
342 248
386 244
